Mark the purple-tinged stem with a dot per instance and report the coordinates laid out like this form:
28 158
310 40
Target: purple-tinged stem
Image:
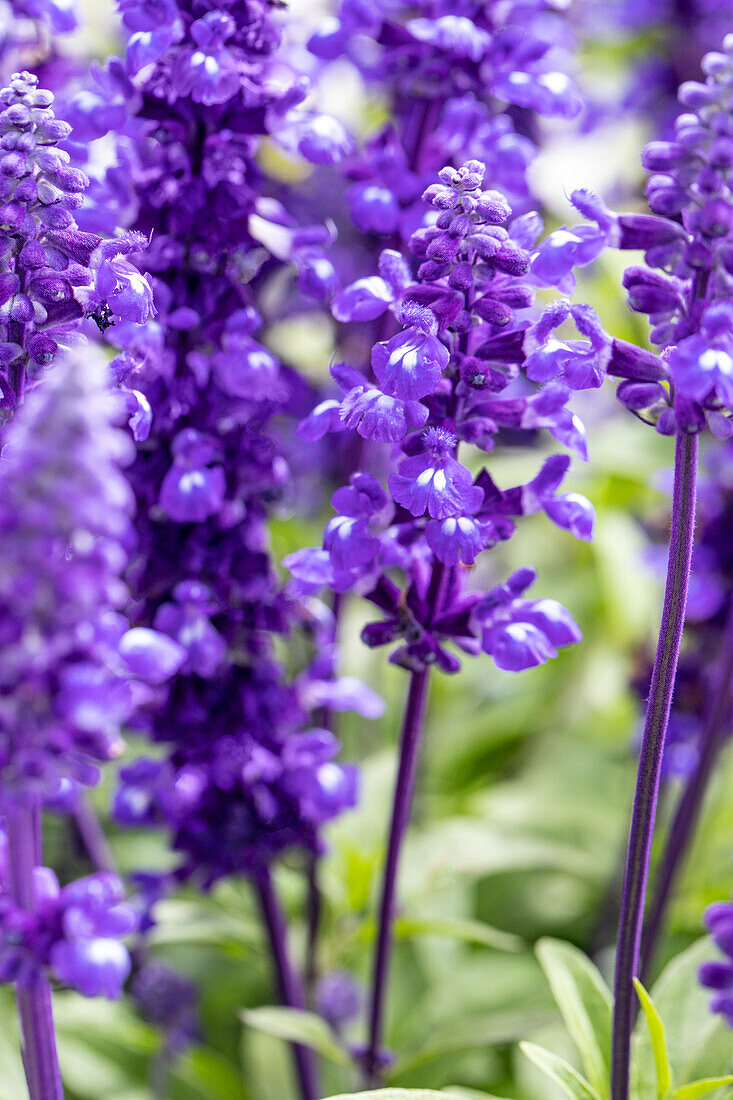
314 910
684 822
650 759
288 980
92 836
33 997
409 747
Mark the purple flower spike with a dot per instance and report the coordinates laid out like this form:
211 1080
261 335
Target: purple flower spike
53 274
61 487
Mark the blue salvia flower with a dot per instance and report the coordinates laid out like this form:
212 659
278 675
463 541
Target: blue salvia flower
685 286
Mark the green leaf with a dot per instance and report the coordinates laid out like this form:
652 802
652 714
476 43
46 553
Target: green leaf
468 1033
659 1041
469 931
394 1094
698 1041
297 1027
211 1075
585 1003
702 1088
569 1080
458 1092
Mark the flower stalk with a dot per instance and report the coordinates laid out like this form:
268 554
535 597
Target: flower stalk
650 761
683 826
33 997
289 982
412 728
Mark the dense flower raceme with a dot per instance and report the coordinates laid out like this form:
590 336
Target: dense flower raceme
451 72
51 273
72 671
718 975
187 107
247 774
437 385
685 287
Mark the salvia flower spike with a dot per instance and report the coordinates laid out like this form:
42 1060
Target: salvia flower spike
64 688
461 302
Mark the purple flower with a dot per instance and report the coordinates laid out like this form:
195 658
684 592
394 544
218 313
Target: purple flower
192 490
207 71
434 481
338 998
127 292
519 633
718 975
411 364
74 933
457 538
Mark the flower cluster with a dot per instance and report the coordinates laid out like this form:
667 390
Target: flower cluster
168 1000
51 273
465 338
718 975
245 776
455 74
73 933
29 29
674 38
71 670
685 286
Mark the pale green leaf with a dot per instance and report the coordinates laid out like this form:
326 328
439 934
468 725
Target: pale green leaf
659 1041
470 931
569 1080
698 1041
585 1003
394 1094
467 1033
702 1088
458 1092
297 1027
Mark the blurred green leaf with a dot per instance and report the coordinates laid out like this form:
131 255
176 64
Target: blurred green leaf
561 1071
469 931
658 1040
297 1027
209 1075
463 1034
394 1094
702 1088
461 1093
586 1006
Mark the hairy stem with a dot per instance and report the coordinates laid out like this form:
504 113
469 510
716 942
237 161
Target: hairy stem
404 787
650 759
314 909
289 982
33 996
92 836
684 822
